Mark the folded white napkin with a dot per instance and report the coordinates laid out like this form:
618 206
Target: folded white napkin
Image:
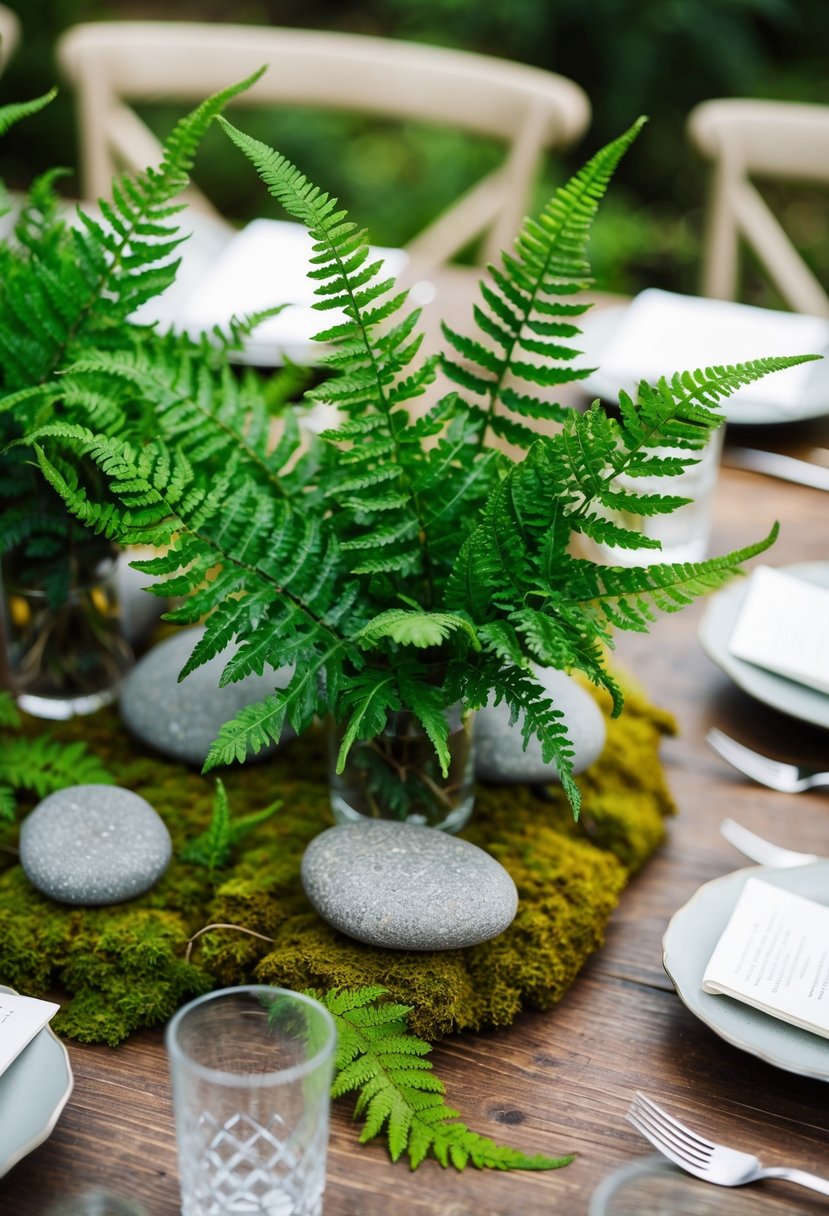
264 265
783 627
662 332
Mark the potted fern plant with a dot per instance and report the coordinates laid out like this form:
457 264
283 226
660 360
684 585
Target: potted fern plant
407 567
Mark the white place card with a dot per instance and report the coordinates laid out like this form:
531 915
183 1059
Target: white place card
774 956
21 1017
663 332
783 626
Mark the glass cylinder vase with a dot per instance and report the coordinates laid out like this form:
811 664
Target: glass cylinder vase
397 774
68 657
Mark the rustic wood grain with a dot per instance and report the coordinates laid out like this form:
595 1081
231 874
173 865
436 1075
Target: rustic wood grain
557 1082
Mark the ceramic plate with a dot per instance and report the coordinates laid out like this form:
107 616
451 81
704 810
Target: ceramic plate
689 942
653 1185
715 629
599 328
33 1091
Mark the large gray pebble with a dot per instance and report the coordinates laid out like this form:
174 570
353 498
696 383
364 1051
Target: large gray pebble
182 720
140 609
407 887
499 747
94 844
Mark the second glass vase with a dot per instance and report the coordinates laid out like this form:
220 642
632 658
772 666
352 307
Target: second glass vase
397 775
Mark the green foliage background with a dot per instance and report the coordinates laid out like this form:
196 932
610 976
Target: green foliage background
659 57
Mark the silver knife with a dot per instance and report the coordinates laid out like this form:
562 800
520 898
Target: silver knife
774 464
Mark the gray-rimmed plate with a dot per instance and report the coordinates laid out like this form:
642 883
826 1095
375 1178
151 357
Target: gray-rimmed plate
715 629
689 942
599 328
33 1091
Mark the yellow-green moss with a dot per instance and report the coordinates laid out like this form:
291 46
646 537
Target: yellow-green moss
123 967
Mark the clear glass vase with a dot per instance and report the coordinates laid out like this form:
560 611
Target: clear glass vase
397 775
67 658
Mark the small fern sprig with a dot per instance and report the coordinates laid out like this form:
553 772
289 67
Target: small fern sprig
41 765
399 1095
214 846
15 111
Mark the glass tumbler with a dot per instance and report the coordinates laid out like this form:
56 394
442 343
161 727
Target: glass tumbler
251 1070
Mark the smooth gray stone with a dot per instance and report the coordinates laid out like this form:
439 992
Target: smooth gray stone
94 844
499 747
140 609
182 720
407 887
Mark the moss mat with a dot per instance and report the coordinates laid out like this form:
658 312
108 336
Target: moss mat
123 967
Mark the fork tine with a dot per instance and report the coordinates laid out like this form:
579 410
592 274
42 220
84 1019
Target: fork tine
657 1139
762 768
694 1148
668 1137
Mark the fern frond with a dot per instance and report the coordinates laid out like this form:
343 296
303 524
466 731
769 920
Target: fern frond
629 597
39 765
213 848
10 114
521 309
399 1094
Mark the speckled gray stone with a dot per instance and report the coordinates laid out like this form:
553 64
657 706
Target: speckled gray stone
94 844
499 747
182 720
407 887
140 609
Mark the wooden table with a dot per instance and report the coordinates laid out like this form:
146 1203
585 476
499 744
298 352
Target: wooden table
558 1082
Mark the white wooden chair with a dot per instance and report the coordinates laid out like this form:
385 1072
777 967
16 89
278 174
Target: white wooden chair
9 34
747 139
529 110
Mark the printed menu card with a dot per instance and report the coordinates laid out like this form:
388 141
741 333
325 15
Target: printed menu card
21 1017
783 627
774 955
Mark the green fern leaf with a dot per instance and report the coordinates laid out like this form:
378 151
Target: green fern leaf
419 629
10 114
40 765
213 848
399 1095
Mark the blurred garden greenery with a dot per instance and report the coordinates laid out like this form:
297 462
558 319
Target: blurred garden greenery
655 57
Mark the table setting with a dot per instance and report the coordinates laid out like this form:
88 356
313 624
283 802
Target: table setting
521 998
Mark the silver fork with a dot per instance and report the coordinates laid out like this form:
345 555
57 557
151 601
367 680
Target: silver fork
712 1162
788 778
758 849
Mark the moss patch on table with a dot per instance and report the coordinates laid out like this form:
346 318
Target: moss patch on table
126 966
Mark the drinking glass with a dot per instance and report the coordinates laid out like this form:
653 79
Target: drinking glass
685 533
251 1070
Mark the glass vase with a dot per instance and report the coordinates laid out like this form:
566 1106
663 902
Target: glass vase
397 775
67 658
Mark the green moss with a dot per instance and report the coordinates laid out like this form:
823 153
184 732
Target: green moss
126 966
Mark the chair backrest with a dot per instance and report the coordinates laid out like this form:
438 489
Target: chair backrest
745 139
9 34
529 110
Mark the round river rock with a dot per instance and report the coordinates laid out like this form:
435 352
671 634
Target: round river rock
499 747
94 844
182 720
407 887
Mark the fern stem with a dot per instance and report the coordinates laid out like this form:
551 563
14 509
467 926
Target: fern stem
335 637
240 440
422 535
